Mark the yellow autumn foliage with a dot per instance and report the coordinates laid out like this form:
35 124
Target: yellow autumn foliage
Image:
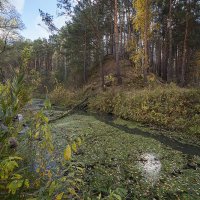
74 147
68 153
59 196
78 141
168 106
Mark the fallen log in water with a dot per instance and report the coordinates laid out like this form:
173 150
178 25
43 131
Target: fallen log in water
69 112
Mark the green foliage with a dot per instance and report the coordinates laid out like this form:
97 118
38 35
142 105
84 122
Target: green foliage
118 194
16 185
66 186
7 167
26 56
14 162
12 100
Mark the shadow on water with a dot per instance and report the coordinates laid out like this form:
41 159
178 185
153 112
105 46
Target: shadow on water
169 142
109 118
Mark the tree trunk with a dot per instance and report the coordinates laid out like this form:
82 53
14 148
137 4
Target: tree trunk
65 68
102 71
146 43
151 57
164 60
124 32
158 56
170 63
35 64
39 63
111 39
107 44
84 62
121 35
129 24
119 78
185 46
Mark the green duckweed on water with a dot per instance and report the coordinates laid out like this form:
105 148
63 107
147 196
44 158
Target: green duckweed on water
112 161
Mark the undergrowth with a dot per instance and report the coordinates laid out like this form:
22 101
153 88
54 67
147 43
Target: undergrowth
169 107
166 106
61 96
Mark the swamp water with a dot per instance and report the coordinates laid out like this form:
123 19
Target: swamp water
116 156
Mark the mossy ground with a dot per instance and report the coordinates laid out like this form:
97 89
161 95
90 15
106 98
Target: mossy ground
110 157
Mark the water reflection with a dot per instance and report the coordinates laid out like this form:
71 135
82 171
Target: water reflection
150 166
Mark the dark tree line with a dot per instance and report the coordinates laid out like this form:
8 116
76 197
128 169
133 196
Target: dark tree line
159 37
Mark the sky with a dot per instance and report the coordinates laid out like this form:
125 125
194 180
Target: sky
29 11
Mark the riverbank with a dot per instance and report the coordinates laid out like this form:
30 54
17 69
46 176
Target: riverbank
172 111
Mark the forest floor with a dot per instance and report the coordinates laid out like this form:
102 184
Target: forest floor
127 158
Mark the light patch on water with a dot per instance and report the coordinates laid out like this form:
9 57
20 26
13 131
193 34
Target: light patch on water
150 166
20 117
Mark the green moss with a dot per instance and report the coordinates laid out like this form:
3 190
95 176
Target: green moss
184 138
110 157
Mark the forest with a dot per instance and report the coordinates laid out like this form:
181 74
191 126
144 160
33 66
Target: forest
107 107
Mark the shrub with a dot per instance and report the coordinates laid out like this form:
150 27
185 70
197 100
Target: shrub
61 96
104 102
169 106
15 165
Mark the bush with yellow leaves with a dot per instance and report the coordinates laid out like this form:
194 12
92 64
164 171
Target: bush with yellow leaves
61 96
72 179
168 106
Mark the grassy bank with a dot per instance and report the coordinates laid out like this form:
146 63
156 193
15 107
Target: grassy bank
170 107
167 107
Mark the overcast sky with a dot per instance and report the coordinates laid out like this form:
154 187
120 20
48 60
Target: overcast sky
29 10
